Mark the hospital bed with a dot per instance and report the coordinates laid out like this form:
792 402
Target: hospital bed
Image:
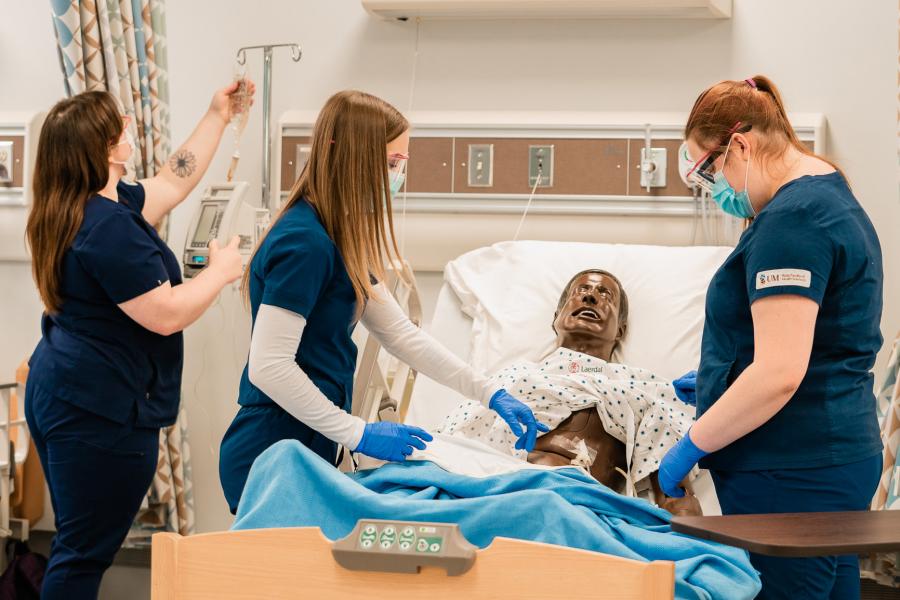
522 281
497 303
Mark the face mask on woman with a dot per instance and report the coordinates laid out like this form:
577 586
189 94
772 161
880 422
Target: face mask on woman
128 140
736 204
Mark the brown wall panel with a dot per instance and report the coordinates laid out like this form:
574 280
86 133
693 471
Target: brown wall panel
674 185
581 167
289 170
430 167
18 164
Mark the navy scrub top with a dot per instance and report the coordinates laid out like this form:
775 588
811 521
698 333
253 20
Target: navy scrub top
92 354
298 268
813 240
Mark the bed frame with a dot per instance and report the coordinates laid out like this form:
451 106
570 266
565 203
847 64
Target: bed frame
297 563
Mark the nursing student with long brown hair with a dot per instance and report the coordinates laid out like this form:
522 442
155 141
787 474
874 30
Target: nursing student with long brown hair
106 374
318 271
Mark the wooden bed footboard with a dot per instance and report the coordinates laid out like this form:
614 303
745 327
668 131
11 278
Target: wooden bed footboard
297 563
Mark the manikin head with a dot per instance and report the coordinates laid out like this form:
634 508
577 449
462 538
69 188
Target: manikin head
592 314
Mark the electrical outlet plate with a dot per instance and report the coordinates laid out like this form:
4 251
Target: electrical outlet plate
656 177
481 165
540 160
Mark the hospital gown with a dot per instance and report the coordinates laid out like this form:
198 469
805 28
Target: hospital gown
636 407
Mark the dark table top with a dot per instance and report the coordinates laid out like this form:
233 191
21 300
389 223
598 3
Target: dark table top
800 534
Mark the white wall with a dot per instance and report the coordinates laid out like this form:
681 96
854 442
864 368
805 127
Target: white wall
29 80
827 55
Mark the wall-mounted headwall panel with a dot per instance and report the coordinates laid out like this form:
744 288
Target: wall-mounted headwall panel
596 160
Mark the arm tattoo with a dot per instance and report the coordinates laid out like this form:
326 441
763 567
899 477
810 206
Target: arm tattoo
183 163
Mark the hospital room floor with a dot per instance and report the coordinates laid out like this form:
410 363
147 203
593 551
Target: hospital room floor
129 577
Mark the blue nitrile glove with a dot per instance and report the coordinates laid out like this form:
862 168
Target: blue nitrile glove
517 414
686 388
676 465
391 441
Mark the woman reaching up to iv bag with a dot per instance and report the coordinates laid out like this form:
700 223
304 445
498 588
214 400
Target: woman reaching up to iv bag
319 269
106 374
785 404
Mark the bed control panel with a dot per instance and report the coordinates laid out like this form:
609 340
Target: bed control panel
404 547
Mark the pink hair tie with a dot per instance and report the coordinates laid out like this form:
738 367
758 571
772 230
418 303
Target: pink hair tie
750 82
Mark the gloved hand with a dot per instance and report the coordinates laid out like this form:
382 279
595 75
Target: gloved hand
686 388
516 414
391 441
676 465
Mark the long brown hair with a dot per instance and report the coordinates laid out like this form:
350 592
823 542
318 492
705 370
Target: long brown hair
346 182
756 104
72 164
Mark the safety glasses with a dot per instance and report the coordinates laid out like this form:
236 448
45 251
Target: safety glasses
703 173
397 166
397 162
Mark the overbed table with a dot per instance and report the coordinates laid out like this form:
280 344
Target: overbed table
800 534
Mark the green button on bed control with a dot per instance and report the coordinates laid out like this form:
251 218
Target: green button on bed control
367 537
388 537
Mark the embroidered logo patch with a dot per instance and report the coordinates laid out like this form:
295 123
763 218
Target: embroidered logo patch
782 277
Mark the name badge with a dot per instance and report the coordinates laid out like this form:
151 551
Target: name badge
783 277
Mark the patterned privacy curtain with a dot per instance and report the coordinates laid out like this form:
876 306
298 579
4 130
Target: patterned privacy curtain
885 568
120 46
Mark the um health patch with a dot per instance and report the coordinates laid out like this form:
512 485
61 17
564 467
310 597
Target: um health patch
783 277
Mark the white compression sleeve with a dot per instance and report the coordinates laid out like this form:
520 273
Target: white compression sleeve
274 370
384 319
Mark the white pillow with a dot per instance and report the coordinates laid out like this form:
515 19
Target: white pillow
511 289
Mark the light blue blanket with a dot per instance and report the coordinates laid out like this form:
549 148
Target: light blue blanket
290 486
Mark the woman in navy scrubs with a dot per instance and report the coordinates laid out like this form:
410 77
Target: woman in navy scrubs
106 374
785 404
317 272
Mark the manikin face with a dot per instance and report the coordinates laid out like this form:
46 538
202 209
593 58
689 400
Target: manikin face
592 309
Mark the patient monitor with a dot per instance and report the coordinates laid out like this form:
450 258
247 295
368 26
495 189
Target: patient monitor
222 214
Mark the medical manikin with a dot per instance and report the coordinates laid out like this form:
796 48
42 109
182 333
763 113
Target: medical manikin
593 405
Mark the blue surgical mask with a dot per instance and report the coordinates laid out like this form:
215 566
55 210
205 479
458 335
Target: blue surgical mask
397 182
736 204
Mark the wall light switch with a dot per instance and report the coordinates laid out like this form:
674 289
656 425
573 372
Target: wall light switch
481 165
540 161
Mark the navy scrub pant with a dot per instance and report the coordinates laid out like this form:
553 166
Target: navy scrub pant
98 472
253 430
827 489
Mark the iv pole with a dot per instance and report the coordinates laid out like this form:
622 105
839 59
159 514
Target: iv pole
296 54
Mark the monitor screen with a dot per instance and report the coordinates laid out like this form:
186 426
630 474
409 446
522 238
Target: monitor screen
205 223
